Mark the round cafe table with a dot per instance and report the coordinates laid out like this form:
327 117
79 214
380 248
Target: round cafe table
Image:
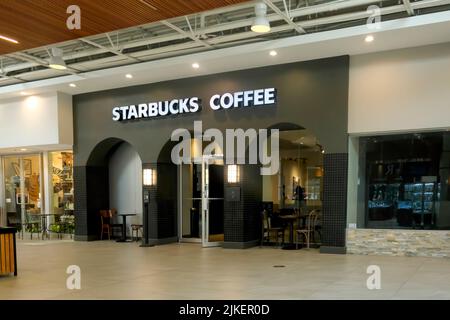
124 226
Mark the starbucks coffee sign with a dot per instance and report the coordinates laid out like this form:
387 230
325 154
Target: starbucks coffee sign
238 99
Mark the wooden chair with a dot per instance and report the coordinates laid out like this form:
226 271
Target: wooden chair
114 226
105 220
268 229
308 232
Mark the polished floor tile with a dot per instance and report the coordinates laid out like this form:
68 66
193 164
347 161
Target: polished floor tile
111 270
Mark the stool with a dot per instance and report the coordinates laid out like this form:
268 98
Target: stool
136 228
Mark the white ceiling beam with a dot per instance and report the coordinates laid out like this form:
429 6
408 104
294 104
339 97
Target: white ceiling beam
408 7
186 34
114 51
287 19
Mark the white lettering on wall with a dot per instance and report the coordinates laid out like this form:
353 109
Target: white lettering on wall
228 100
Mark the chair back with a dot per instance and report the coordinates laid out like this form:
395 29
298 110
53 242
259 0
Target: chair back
33 218
265 220
313 216
105 216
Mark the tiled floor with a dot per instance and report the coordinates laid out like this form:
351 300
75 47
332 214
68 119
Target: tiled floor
111 270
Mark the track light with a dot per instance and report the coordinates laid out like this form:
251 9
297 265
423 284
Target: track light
56 60
260 24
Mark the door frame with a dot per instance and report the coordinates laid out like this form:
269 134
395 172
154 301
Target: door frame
42 190
205 201
204 215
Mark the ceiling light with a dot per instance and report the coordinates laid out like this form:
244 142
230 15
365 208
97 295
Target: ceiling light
129 76
73 85
273 53
9 39
195 65
23 149
369 38
260 24
56 61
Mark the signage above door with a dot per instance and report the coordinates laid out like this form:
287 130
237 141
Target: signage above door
249 98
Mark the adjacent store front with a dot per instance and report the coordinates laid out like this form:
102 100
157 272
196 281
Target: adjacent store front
399 153
36 166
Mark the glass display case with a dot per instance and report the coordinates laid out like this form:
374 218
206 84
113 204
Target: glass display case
423 197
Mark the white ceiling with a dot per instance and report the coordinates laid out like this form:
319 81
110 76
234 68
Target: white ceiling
402 33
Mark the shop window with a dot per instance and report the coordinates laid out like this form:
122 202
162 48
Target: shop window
404 181
62 182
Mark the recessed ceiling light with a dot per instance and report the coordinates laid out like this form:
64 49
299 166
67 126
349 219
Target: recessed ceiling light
369 38
73 85
273 53
129 76
23 149
195 65
9 39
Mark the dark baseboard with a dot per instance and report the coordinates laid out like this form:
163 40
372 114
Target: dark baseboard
333 250
162 241
240 245
85 237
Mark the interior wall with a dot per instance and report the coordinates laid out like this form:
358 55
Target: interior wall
125 182
40 120
400 90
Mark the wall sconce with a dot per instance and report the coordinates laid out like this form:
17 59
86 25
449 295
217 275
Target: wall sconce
233 174
149 177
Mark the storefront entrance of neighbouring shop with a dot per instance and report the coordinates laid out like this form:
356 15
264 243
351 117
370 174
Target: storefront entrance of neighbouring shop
37 193
211 200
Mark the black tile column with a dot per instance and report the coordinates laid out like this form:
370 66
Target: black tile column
91 194
334 211
162 222
241 216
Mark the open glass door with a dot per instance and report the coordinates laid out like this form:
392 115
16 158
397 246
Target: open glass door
212 201
23 188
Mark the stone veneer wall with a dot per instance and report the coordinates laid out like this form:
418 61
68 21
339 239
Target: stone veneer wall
420 243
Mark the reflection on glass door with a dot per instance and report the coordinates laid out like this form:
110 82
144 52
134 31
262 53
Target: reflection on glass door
190 184
23 196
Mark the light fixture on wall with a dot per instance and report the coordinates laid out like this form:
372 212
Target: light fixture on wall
56 60
233 173
149 177
260 24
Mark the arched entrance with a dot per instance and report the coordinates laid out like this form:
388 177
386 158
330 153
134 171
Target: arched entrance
113 164
291 194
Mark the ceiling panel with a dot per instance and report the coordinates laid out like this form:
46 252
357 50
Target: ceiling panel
36 23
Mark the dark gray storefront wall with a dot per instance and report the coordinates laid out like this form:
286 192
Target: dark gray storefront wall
311 94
